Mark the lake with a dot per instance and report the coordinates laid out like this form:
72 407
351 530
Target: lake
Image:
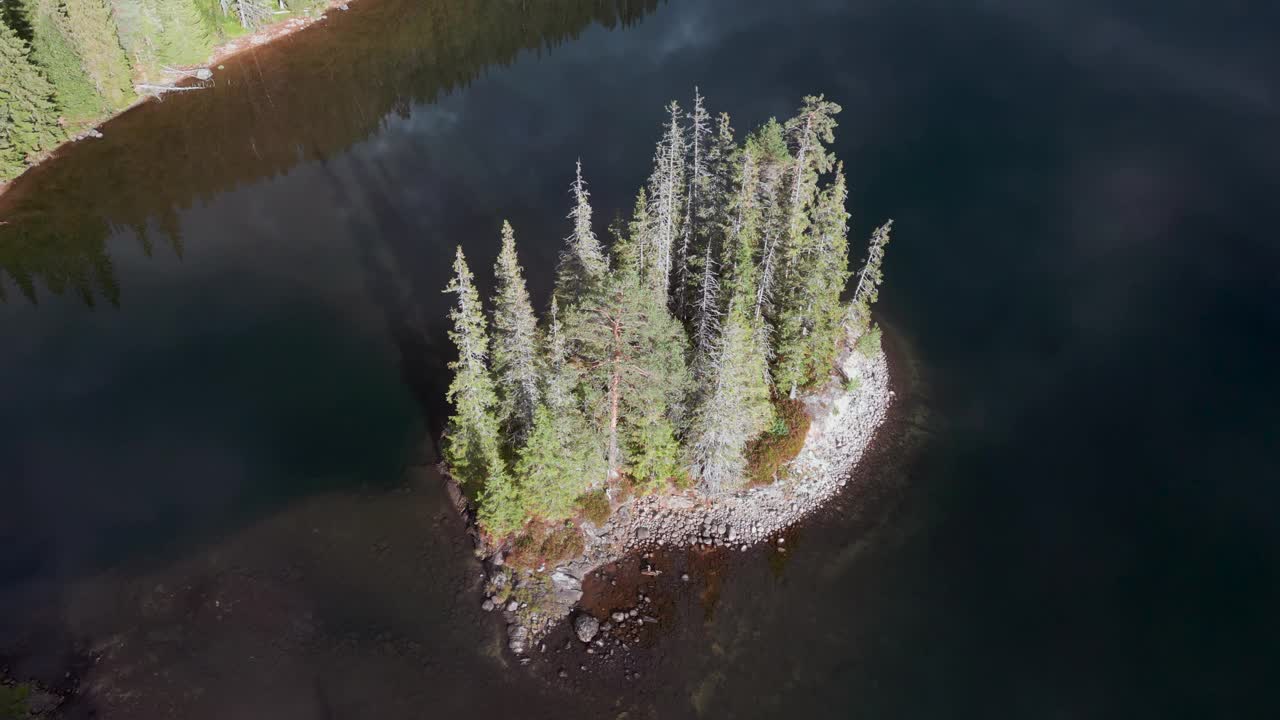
225 361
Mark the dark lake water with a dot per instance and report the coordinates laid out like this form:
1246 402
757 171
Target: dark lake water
224 344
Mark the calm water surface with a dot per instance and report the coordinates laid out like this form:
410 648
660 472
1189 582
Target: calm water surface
224 345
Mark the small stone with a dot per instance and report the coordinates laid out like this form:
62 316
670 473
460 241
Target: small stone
513 606
487 605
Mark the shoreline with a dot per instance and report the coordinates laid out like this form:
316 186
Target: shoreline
221 52
844 424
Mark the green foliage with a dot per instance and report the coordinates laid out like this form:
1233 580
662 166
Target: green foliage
92 31
53 51
156 33
500 505
607 394
13 701
869 342
516 365
554 467
853 384
28 116
594 506
653 455
472 443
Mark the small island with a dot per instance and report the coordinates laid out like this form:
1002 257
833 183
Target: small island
700 381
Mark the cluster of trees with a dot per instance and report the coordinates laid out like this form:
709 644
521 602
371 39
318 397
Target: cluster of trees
65 63
660 359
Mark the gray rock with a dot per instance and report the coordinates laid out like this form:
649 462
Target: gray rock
586 628
204 74
519 638
513 606
487 605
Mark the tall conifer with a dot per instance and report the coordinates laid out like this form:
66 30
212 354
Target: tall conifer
28 115
515 351
582 264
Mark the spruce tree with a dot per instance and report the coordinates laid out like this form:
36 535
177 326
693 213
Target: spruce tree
472 440
666 188
93 33
582 264
28 115
814 317
735 406
693 228
869 279
53 50
515 352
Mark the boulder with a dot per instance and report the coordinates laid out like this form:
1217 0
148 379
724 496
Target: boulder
586 628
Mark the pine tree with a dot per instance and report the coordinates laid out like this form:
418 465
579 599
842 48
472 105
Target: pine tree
515 352
633 353
53 50
582 264
93 33
28 116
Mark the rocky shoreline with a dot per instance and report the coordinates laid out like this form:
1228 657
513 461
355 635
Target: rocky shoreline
845 415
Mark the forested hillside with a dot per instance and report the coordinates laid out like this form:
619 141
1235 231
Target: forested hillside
68 63
674 356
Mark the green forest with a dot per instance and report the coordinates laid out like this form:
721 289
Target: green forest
674 356
67 64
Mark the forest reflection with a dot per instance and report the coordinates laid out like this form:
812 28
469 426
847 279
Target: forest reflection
303 99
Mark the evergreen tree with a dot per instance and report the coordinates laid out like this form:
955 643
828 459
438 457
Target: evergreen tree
472 440
575 442
515 352
93 33
666 188
713 223
560 378
28 116
735 407
769 146
155 33
632 352
53 51
693 228
869 279
582 264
